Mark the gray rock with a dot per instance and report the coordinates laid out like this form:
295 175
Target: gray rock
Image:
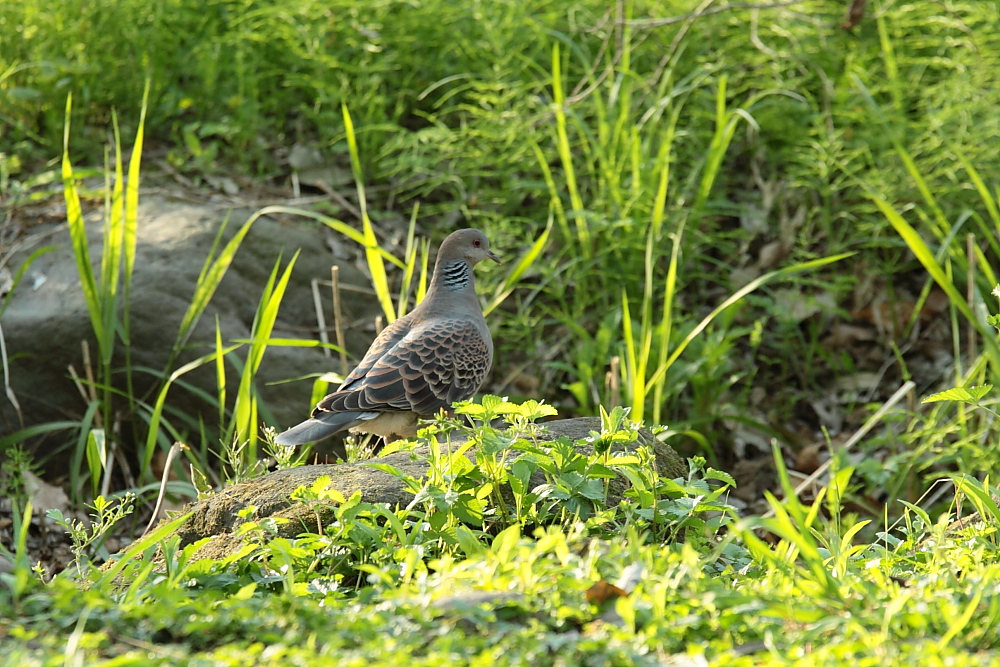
47 318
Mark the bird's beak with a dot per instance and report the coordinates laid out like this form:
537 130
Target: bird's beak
492 255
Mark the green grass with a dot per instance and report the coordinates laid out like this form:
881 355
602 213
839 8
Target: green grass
637 177
645 145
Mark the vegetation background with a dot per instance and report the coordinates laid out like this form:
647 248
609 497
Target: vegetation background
746 221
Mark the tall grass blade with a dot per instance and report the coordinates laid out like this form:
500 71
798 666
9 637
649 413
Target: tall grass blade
523 264
80 451
635 377
372 255
157 412
212 272
662 170
991 235
111 258
425 253
737 296
132 197
332 223
97 457
942 227
32 431
78 233
566 155
725 128
220 372
245 412
930 263
667 320
411 263
550 183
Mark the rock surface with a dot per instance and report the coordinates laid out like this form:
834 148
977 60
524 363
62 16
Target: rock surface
216 516
47 317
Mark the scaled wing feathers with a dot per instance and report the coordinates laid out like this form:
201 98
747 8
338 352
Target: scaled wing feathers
428 368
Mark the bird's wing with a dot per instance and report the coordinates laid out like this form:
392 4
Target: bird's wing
429 368
384 342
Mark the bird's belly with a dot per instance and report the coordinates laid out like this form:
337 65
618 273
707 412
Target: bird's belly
387 424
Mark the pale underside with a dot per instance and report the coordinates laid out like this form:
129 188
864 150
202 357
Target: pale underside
390 425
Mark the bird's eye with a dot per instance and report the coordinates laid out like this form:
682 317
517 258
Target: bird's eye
477 243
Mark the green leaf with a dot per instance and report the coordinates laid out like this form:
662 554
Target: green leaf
78 234
923 253
505 542
468 542
97 457
963 394
373 255
566 156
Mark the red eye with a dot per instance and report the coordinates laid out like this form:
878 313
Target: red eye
477 243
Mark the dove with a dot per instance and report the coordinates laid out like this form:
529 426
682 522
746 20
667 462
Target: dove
435 355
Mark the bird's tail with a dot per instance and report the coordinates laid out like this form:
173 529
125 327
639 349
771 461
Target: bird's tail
321 427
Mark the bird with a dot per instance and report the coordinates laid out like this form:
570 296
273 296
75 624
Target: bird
435 355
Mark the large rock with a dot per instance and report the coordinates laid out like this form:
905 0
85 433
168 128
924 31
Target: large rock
217 515
47 319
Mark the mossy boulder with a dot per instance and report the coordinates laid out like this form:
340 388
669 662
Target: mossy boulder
217 516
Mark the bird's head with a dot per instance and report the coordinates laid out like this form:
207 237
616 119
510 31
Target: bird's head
468 244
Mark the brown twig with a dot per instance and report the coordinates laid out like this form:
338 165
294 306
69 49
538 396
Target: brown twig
347 287
6 380
340 199
613 382
320 318
338 319
855 12
171 455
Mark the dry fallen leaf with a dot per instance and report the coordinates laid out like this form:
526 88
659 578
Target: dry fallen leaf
771 254
807 460
45 496
603 591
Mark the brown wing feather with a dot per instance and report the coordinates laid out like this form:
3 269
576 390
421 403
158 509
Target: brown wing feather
384 342
429 368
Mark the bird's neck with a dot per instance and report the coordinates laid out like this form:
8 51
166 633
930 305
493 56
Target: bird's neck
453 276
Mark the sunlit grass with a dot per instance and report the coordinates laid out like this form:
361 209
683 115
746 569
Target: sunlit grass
623 166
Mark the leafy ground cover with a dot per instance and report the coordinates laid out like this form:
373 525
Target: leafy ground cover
428 584
747 222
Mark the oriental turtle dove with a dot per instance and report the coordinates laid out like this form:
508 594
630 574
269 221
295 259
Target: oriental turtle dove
426 360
